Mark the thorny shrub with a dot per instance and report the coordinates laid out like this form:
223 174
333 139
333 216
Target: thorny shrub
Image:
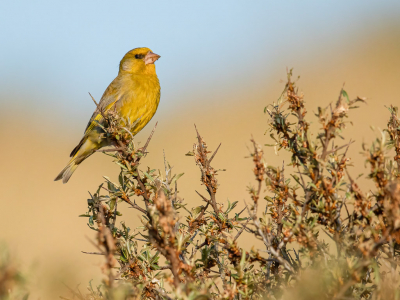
292 209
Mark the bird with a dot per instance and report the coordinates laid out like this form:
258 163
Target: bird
134 95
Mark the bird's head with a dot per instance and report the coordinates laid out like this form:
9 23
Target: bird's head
139 61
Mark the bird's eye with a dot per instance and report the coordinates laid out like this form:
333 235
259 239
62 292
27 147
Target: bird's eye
139 56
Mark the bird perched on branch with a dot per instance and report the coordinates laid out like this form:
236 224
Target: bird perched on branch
134 94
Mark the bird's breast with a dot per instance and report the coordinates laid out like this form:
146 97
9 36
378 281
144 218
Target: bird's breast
140 101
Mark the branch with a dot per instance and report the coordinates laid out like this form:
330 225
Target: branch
215 152
341 147
98 107
148 141
95 253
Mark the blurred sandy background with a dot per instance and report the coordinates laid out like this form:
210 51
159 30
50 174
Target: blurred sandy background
221 64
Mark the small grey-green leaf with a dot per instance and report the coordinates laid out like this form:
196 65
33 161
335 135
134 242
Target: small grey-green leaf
344 93
176 178
148 176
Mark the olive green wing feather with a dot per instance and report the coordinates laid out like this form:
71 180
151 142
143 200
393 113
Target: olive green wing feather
108 100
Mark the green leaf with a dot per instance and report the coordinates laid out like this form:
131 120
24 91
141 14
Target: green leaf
239 219
231 206
121 179
295 177
112 204
221 217
197 210
243 259
155 257
121 165
148 176
344 93
176 178
269 199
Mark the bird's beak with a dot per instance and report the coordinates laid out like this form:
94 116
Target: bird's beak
150 58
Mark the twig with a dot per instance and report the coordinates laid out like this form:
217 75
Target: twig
341 147
215 152
241 230
148 140
204 198
96 253
98 107
282 261
127 200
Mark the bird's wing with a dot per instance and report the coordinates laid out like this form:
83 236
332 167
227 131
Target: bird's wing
110 97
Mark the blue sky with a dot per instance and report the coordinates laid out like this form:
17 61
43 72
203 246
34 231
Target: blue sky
53 52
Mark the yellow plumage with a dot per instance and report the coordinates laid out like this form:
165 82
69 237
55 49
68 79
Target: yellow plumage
134 94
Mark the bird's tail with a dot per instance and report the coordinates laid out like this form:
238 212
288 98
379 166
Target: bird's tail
86 148
67 172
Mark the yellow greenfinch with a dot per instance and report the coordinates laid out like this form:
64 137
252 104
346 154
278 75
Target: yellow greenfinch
134 94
